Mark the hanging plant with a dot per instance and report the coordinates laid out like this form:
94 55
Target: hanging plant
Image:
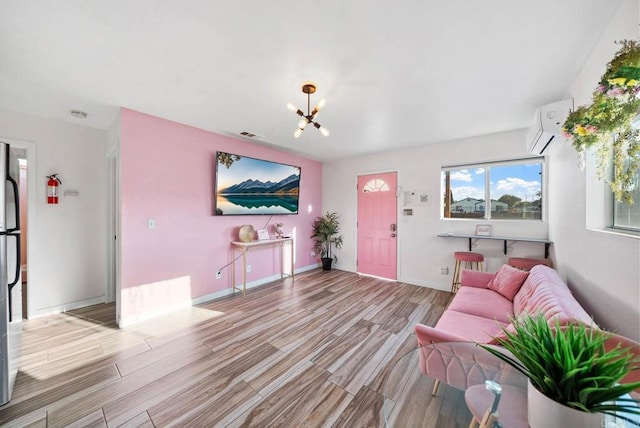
606 123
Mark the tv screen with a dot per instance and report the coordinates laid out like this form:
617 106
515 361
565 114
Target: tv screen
246 185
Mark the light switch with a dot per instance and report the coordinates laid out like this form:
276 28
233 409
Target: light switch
151 223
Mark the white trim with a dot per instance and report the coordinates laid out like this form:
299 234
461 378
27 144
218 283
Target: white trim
32 199
67 307
126 322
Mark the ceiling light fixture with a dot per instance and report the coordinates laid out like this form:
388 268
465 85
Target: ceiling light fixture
309 118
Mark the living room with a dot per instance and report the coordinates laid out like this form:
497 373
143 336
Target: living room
166 168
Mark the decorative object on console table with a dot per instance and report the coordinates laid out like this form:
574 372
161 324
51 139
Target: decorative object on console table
246 233
572 366
263 234
279 230
325 231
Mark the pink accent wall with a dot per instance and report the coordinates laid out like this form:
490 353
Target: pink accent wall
168 173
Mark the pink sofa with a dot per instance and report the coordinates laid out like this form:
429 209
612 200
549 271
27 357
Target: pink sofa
476 314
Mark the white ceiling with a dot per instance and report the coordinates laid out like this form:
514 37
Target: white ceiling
394 73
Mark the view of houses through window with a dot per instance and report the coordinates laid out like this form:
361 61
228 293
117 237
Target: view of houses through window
513 189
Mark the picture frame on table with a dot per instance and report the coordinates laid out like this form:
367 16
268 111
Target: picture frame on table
263 234
483 230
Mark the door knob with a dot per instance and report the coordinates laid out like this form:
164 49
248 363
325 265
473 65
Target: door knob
393 227
393 235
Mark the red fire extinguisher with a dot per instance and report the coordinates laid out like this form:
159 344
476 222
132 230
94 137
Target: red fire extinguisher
52 188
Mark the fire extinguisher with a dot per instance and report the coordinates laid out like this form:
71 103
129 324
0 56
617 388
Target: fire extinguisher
52 188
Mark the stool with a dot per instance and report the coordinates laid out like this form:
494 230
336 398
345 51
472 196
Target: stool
469 259
524 263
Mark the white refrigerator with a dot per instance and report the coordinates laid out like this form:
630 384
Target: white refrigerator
10 325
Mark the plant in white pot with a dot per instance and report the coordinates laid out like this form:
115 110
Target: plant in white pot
571 366
325 231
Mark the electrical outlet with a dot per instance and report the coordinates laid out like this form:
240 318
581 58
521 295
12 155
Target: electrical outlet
248 268
218 275
151 223
444 270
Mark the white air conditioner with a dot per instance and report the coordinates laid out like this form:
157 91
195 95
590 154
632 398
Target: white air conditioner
548 126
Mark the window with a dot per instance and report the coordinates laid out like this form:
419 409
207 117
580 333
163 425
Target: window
626 216
376 185
513 190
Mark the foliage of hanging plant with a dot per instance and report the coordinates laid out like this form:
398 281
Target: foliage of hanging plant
606 123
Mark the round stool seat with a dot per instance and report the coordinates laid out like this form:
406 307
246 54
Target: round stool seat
525 263
468 256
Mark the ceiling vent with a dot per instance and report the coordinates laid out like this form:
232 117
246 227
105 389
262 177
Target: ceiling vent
247 134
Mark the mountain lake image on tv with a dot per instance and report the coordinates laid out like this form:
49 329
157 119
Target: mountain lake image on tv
246 185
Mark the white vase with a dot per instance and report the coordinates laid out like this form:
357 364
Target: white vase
543 412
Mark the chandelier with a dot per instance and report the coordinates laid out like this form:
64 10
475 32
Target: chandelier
310 117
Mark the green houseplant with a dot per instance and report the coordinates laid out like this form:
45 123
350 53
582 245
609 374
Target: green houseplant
325 231
570 365
606 124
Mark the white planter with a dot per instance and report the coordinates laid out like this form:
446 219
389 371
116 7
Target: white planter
543 412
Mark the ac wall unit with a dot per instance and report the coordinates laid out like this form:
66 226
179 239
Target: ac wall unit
548 126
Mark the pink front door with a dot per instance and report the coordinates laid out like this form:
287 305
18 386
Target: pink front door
377 221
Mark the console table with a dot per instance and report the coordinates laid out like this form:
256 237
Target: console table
471 238
244 247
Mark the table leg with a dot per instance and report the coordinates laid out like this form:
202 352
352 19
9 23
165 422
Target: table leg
292 274
233 270
244 272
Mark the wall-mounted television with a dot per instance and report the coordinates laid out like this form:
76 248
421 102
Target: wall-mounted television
246 186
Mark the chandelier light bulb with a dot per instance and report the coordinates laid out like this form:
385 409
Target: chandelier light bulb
321 104
302 123
324 131
297 133
291 107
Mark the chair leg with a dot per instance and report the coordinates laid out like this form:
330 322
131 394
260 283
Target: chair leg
456 277
473 423
435 387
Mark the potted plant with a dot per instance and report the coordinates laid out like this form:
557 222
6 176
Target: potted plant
606 124
570 366
325 231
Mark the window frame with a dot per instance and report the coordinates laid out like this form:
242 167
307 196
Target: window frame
487 186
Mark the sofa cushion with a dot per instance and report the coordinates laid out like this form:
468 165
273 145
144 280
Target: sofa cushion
544 292
474 328
507 281
482 302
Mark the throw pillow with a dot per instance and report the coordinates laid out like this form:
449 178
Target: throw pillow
507 281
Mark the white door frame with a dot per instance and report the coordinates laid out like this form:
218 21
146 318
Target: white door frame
112 291
32 199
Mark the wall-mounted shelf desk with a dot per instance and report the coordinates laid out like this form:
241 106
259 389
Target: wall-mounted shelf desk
245 247
506 239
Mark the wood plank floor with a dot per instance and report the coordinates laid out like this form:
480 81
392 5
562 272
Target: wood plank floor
313 354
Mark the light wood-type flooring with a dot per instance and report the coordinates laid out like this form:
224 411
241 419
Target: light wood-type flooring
315 353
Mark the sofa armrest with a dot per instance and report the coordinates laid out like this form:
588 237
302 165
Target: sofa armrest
426 335
474 278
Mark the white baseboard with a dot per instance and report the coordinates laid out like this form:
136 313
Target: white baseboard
125 322
66 307
222 293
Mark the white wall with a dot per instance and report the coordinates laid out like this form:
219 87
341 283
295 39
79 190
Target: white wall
67 267
421 253
602 269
